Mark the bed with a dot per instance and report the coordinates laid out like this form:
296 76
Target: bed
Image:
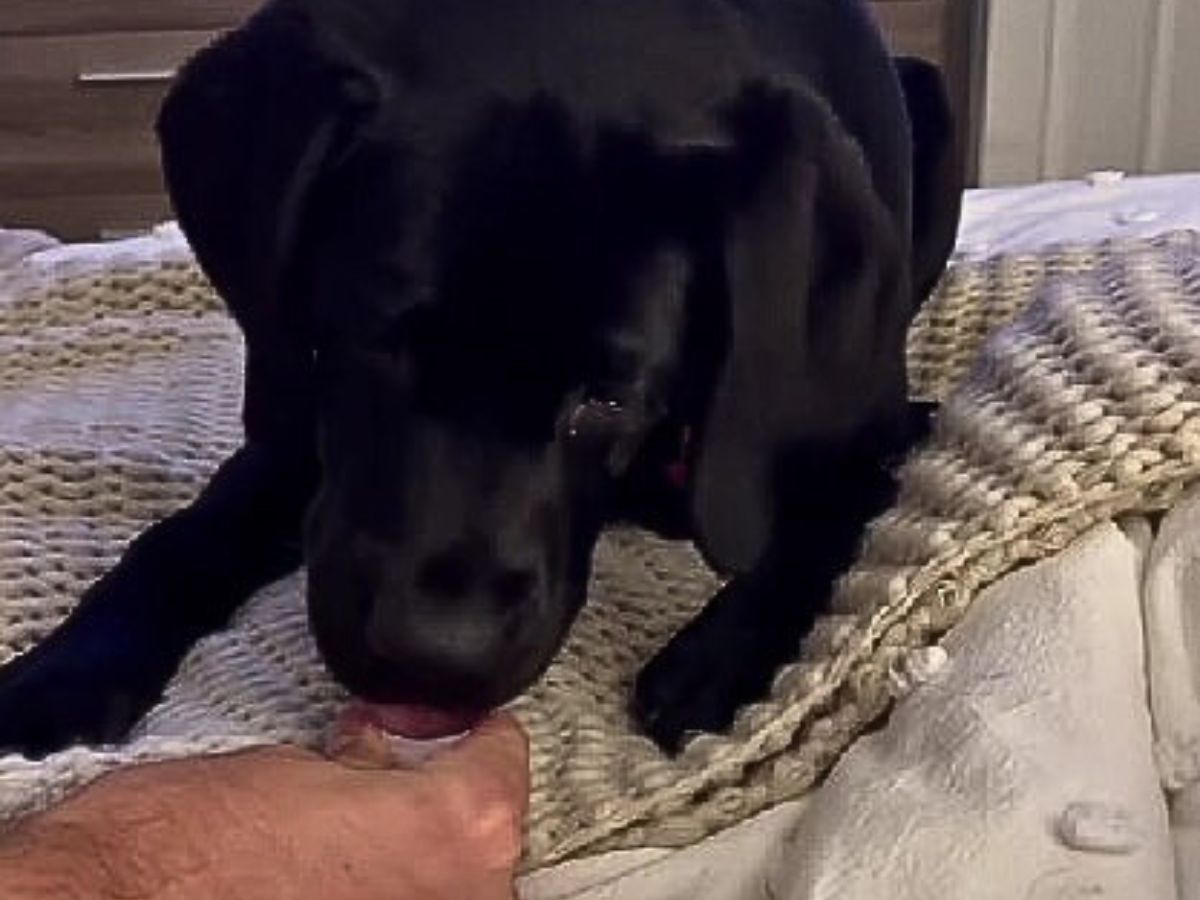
989 687
1015 710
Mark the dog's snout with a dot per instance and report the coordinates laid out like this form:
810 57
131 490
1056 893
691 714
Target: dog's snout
457 573
465 637
455 652
444 575
514 587
459 618
459 626
455 589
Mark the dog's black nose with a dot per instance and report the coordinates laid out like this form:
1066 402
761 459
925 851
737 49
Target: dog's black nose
448 629
454 574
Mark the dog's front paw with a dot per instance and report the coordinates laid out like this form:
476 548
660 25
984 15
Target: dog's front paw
722 660
43 713
82 685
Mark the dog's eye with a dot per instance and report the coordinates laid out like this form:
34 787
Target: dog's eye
605 428
596 419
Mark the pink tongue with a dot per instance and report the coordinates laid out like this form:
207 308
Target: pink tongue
420 723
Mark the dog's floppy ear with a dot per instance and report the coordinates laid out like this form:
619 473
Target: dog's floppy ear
245 131
818 285
937 171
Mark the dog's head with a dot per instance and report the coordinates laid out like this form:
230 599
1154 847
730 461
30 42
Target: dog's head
482 313
478 346
481 379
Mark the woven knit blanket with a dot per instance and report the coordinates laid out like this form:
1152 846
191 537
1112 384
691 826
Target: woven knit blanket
120 392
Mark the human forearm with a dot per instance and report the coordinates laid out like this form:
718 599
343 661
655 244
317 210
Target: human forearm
49 859
284 824
115 839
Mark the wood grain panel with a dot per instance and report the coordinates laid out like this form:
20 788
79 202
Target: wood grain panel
952 34
78 159
89 16
915 27
60 137
86 216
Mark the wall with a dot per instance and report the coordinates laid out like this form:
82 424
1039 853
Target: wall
1076 85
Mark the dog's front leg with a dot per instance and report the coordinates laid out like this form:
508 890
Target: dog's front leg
109 661
727 656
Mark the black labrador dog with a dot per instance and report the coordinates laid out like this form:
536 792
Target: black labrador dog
509 270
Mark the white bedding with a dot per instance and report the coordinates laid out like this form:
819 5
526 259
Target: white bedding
1038 713
1027 218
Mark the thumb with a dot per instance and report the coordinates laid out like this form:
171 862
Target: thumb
497 745
483 782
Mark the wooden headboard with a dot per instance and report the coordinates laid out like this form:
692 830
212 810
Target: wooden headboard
80 82
950 33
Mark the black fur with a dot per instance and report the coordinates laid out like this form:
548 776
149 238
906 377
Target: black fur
500 264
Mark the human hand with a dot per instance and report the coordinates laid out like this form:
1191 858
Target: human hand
283 823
